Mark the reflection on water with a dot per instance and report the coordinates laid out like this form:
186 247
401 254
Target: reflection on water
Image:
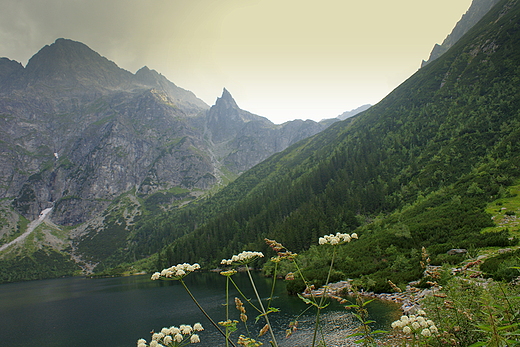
115 312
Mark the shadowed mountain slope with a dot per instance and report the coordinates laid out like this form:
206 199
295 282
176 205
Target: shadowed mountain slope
429 157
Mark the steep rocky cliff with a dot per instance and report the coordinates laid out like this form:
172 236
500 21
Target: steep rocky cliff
476 11
241 139
77 132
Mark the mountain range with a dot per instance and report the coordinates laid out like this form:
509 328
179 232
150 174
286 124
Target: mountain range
79 131
137 171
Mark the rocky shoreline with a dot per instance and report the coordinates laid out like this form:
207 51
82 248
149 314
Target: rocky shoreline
409 299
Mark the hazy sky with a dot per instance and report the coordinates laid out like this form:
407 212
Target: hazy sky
281 59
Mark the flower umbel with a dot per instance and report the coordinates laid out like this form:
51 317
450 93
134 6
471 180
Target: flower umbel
416 324
337 239
176 272
173 336
243 258
248 342
281 251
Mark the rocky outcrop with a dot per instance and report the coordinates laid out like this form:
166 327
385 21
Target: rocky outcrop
243 139
477 10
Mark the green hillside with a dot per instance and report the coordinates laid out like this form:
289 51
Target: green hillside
418 169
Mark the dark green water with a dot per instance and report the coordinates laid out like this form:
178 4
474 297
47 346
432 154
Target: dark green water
115 312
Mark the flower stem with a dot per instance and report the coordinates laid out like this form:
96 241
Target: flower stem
262 307
322 299
272 287
227 310
206 314
245 297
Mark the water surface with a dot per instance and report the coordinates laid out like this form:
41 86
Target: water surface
115 312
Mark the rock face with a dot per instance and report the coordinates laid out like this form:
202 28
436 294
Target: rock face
476 11
242 139
77 131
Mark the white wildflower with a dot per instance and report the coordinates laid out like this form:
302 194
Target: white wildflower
242 258
426 332
396 324
156 276
186 329
194 338
198 327
174 330
416 325
157 336
407 330
165 331
337 239
178 338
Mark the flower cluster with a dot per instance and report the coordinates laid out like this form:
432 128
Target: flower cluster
240 307
243 258
173 336
337 239
415 324
281 251
248 342
176 272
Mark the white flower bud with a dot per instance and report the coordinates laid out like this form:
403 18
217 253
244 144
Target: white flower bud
194 338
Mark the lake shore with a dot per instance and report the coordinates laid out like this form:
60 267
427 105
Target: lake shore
409 299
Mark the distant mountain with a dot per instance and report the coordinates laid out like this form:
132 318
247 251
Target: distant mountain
78 134
476 11
353 112
243 139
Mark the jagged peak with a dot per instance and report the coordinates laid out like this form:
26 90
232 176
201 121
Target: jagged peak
226 100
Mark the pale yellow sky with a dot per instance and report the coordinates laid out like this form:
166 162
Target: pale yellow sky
281 59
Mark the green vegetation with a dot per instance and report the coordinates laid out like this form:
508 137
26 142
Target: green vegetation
43 263
420 169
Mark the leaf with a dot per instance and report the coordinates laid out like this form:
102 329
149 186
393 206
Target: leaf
307 301
380 332
355 334
367 302
352 306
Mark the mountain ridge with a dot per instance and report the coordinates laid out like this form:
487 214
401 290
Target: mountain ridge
79 134
417 169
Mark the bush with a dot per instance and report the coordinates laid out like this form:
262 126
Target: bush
501 266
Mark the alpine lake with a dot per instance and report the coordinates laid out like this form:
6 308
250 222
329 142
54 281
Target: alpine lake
116 312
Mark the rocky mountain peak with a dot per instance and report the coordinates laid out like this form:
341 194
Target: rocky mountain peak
73 64
476 11
8 68
226 101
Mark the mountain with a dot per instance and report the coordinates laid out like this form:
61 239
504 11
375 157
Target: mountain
422 168
353 112
243 139
81 135
476 11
